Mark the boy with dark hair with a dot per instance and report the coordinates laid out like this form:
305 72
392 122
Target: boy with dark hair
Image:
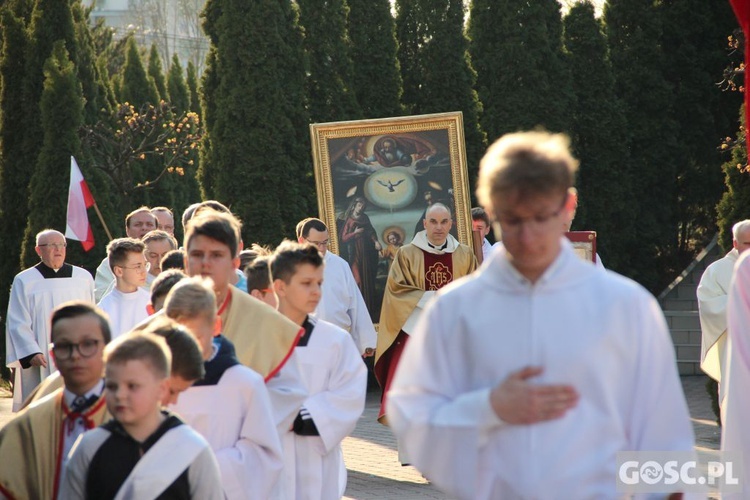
161 287
35 444
173 260
334 374
230 406
480 221
259 281
264 339
126 304
143 452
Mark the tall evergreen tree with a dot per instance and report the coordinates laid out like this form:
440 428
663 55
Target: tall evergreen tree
695 34
329 83
156 73
522 79
51 21
14 173
735 202
62 115
137 89
376 78
599 135
94 83
208 168
634 33
185 189
176 87
446 81
253 92
192 84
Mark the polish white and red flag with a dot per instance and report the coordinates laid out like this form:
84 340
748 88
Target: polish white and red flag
79 199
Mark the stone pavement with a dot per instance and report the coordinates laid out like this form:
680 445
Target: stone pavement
372 460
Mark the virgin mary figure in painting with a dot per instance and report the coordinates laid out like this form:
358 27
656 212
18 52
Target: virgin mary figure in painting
360 247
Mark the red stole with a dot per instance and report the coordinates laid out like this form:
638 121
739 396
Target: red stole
438 270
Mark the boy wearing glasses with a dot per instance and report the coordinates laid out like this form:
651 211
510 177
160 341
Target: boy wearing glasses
34 294
127 303
35 444
526 379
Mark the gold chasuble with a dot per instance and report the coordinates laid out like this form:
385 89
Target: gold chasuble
32 443
263 337
414 271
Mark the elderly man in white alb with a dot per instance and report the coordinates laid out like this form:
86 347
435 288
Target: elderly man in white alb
33 296
712 293
524 380
341 303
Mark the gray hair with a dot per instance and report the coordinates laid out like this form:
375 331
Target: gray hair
45 232
740 227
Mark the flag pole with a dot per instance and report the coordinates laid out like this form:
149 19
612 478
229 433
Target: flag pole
106 229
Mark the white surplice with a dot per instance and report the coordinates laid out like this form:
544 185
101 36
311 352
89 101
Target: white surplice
104 279
597 331
27 327
342 304
336 379
125 310
713 293
287 391
735 410
235 417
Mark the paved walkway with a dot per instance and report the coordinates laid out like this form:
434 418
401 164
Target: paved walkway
372 460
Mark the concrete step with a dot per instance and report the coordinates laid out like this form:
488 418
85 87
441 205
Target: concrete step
686 290
688 353
686 336
689 368
684 320
672 304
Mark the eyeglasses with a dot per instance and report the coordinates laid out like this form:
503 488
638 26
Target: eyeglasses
318 244
138 267
535 224
85 348
56 246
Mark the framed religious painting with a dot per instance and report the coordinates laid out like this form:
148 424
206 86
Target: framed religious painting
375 180
584 244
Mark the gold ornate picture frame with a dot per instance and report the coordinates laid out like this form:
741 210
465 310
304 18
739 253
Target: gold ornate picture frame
374 181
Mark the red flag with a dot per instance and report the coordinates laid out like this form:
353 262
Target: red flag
742 11
79 199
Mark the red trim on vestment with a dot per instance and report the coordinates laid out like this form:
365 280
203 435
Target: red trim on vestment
218 326
286 358
6 493
87 423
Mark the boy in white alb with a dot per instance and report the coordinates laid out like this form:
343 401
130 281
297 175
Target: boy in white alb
525 379
230 406
333 372
126 304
